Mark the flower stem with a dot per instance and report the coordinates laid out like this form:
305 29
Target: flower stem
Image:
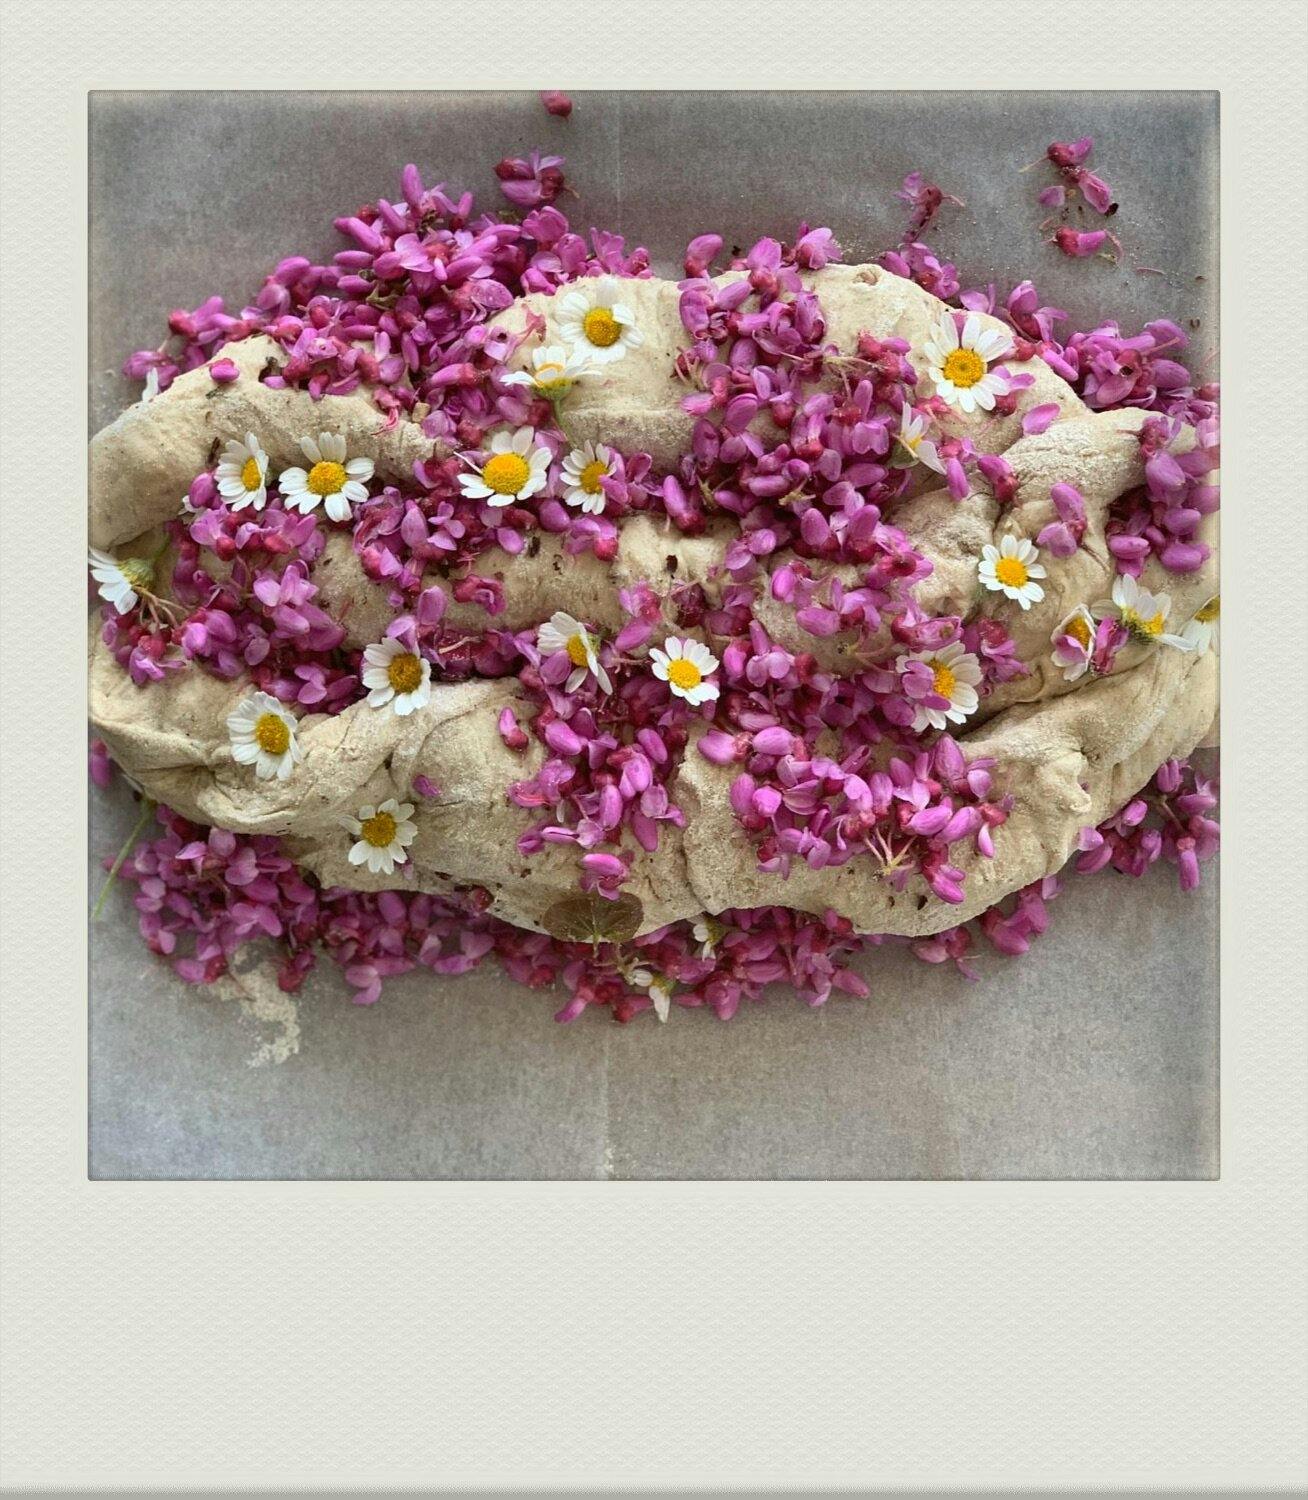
147 808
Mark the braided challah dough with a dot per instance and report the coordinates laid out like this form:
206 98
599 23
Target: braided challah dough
1069 753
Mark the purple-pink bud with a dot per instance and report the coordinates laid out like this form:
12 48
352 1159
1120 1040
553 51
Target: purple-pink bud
563 739
1039 418
717 747
766 801
1184 557
701 252
511 732
773 741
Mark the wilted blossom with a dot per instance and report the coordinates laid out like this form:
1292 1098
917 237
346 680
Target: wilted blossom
1111 637
556 103
100 765
1063 536
1069 159
925 199
1078 244
1022 310
919 263
1012 924
529 183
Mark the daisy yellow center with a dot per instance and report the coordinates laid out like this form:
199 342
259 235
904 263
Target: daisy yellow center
963 367
324 479
1210 611
506 473
944 681
379 831
272 734
601 327
404 672
684 674
251 478
1141 626
590 476
1011 571
1078 630
551 377
137 571
576 648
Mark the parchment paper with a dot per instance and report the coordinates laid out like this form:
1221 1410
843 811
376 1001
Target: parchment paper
1093 1057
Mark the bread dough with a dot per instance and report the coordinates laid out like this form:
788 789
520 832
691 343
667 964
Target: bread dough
1070 754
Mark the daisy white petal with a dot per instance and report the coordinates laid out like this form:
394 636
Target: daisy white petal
555 369
1201 630
242 474
562 633
262 734
584 469
384 834
1145 615
516 468
685 664
1011 570
333 477
956 674
596 324
959 364
396 677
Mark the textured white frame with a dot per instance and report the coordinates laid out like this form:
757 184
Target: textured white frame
320 1336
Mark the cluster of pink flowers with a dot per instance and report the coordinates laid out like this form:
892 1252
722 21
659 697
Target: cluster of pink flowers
1068 158
906 817
1163 517
242 602
1077 185
926 200
1168 820
404 313
404 309
610 755
203 894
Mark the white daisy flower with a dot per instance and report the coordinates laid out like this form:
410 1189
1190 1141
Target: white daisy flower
685 666
912 437
957 675
1144 614
707 933
1202 630
1011 568
516 468
121 583
383 833
583 469
960 363
334 478
395 675
562 633
1073 642
595 323
242 476
262 734
554 371
658 987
